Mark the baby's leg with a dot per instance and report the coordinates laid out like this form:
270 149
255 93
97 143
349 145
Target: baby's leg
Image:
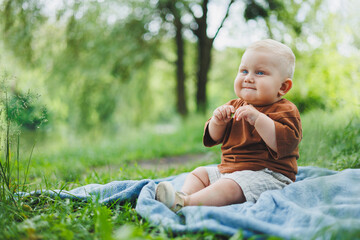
195 181
223 192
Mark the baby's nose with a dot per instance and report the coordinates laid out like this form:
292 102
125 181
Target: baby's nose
249 78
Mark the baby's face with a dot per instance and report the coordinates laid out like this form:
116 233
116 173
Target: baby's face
260 78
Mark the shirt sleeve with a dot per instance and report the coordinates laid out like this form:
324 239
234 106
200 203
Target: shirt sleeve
288 130
288 136
207 140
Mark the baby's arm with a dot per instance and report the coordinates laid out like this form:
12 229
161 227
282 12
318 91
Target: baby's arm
264 125
217 125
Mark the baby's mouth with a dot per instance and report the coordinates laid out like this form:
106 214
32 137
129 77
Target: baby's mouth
248 87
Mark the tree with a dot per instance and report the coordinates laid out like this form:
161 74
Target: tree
102 60
94 65
20 18
204 45
272 12
171 11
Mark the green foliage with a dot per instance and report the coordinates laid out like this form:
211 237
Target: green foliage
309 102
331 139
98 68
26 112
104 59
89 61
103 223
98 159
349 230
325 79
346 145
20 19
13 174
53 218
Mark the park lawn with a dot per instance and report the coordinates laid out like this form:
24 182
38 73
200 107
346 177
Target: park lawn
331 140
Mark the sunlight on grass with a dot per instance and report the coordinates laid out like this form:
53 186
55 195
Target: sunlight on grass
330 139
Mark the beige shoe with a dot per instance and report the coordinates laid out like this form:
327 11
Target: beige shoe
166 194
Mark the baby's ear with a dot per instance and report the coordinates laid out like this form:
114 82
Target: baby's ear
285 87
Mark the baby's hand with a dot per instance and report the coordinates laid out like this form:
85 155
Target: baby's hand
248 112
222 115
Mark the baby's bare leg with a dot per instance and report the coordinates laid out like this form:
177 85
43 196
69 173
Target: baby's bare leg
223 192
195 181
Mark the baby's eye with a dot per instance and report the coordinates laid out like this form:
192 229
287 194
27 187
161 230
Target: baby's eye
244 71
260 73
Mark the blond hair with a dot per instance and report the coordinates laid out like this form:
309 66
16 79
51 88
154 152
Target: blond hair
281 50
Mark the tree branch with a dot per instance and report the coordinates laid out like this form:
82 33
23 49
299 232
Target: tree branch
224 19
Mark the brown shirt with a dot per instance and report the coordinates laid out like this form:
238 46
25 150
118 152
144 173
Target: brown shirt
243 148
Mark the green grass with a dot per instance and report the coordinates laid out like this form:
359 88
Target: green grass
331 140
102 160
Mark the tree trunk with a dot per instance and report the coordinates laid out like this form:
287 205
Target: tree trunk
180 72
204 48
205 45
204 59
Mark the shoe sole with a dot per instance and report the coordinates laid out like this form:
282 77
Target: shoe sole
165 194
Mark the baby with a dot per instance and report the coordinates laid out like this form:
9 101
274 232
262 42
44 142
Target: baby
259 131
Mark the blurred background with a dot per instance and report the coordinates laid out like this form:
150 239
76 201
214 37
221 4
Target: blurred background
99 70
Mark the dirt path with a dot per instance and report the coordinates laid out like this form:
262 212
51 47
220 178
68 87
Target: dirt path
164 163
168 162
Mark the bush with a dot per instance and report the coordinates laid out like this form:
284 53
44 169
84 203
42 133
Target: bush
25 111
13 173
308 102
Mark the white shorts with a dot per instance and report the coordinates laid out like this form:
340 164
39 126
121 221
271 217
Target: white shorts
252 183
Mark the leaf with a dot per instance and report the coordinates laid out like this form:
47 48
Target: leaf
103 224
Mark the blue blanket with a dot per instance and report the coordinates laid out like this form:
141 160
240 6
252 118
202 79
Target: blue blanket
319 203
